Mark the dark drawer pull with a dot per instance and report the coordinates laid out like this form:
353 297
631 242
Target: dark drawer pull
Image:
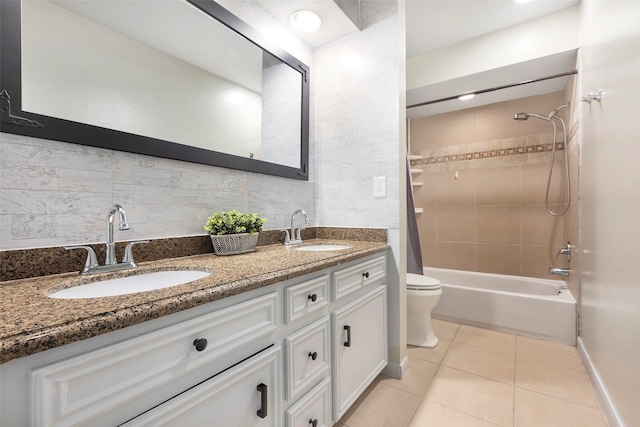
365 274
262 412
200 343
313 355
348 329
314 422
312 297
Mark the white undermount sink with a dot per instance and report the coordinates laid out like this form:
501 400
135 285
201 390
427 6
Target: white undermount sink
130 284
322 248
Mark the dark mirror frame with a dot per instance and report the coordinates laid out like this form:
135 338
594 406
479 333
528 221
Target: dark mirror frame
83 134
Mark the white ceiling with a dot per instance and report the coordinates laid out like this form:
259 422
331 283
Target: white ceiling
432 24
521 72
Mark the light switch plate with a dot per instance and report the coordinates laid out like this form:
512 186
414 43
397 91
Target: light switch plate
380 186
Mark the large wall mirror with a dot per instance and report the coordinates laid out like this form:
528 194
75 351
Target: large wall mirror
181 79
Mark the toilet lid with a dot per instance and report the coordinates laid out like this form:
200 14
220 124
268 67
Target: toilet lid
417 281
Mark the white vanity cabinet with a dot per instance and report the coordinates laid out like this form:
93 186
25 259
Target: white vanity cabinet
359 347
351 338
271 357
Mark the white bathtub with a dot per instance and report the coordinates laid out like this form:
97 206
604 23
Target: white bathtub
536 308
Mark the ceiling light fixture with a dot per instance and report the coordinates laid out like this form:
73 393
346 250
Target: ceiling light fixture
305 21
466 97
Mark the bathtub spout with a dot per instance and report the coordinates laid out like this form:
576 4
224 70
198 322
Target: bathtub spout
558 271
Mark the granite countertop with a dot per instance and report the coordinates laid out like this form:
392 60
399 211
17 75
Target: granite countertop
32 322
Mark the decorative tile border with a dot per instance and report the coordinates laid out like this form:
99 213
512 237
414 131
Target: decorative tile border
539 148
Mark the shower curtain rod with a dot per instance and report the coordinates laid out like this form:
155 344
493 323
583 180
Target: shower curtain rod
477 92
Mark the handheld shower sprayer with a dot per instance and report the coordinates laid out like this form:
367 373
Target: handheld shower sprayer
550 118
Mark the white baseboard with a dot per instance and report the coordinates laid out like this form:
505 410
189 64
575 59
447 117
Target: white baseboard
603 396
396 370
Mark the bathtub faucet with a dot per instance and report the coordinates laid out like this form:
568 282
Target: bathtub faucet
558 271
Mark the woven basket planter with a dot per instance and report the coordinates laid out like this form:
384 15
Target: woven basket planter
232 244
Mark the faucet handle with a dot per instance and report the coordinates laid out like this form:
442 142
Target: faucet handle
128 252
565 251
287 237
92 260
298 236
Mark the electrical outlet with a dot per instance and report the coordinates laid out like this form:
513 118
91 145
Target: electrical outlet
380 186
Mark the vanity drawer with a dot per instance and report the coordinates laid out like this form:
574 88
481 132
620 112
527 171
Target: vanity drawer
307 357
368 273
80 389
313 406
305 298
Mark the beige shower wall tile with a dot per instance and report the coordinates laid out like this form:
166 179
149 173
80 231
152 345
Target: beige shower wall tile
534 183
498 186
427 224
456 224
423 134
536 261
495 121
455 128
456 192
498 224
429 253
541 228
426 195
457 256
498 259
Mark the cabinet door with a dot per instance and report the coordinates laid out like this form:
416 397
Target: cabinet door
246 395
359 347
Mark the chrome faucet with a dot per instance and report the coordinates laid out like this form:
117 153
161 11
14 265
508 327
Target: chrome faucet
558 271
565 251
294 238
124 225
91 265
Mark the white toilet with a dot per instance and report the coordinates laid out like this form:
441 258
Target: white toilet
423 293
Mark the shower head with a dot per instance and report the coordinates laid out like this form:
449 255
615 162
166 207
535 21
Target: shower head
525 116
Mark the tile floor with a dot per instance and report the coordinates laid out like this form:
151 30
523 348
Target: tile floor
477 377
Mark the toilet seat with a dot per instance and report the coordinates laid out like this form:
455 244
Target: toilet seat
418 282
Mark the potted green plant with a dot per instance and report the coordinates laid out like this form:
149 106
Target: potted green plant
233 232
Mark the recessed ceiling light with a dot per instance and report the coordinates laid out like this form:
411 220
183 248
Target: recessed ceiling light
466 97
305 21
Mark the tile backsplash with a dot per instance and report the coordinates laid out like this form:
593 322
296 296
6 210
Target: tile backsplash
54 193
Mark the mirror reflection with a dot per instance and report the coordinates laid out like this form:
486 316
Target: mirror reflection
151 68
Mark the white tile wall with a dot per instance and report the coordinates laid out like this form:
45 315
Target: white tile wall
53 193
